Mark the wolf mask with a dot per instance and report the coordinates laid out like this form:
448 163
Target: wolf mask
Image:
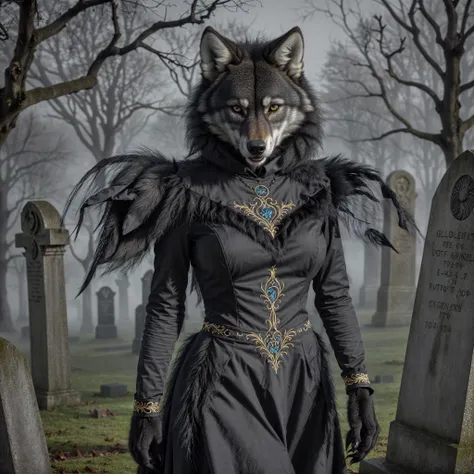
254 98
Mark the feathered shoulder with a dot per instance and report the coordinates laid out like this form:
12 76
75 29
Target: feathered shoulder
144 196
356 195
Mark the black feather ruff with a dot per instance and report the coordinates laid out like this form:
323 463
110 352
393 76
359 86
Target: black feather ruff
147 197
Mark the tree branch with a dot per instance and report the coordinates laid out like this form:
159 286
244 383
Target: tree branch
60 23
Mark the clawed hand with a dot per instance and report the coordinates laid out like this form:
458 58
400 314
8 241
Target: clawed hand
364 428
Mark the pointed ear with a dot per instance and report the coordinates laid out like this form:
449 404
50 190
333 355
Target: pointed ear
286 52
217 53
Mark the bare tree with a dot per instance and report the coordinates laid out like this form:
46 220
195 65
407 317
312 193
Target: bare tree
439 33
23 23
29 163
349 116
118 109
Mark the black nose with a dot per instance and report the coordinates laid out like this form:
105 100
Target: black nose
256 147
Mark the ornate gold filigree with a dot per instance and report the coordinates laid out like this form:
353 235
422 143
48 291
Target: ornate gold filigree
146 407
274 343
356 378
264 210
216 329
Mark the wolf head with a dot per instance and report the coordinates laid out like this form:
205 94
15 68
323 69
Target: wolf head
254 98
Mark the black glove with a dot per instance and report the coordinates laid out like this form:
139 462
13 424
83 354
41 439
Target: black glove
145 442
364 429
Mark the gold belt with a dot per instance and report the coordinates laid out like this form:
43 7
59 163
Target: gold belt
272 344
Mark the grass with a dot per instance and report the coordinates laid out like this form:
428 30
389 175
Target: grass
79 443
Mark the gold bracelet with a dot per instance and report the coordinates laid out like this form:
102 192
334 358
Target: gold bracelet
146 408
356 378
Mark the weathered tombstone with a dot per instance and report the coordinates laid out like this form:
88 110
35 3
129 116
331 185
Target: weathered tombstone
433 431
25 333
370 286
146 286
396 294
44 240
106 328
123 284
23 448
22 294
110 390
383 379
140 315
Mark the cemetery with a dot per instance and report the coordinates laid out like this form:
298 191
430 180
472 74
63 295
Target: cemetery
77 390
381 230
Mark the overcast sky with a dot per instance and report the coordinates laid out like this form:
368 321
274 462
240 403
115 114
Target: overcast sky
275 17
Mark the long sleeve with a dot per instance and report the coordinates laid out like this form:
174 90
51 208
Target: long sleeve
334 304
164 318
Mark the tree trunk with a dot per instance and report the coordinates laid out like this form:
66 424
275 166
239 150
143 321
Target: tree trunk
87 323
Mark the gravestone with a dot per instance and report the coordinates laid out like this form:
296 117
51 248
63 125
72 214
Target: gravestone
140 315
22 295
433 431
371 282
44 240
123 284
396 294
146 286
110 390
106 328
23 448
25 333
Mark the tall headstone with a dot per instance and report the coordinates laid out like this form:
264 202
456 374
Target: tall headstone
22 294
106 328
146 286
396 294
371 282
140 315
44 240
140 312
123 284
23 448
434 430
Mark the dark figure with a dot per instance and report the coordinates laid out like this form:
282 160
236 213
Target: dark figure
256 218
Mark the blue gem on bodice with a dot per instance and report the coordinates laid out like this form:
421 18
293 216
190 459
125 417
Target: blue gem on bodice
261 190
272 293
266 213
273 342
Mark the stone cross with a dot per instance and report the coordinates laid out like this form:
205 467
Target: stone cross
396 294
44 240
433 431
106 328
23 448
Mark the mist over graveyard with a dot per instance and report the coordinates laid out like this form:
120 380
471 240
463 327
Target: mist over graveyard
396 88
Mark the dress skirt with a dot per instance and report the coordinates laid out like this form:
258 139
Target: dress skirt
229 411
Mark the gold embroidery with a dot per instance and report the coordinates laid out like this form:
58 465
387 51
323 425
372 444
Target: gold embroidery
146 407
356 378
266 211
216 329
274 344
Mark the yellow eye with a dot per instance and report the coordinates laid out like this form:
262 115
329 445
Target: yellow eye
237 109
274 107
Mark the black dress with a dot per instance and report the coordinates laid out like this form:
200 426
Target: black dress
251 391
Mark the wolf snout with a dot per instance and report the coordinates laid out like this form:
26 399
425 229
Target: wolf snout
256 147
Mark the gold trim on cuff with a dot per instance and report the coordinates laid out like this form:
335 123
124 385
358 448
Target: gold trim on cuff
146 408
356 378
